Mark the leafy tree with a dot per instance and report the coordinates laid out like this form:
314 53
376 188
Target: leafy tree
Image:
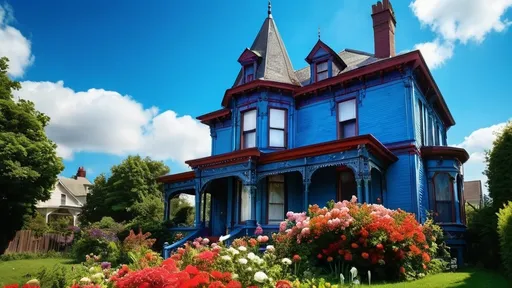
120 196
37 224
499 165
28 161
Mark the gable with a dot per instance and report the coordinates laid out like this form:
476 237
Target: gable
320 52
248 56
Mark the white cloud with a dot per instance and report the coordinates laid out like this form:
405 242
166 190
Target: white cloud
435 52
457 21
107 122
476 144
13 44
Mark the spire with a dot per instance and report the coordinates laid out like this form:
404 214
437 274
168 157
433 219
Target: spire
269 9
318 32
274 63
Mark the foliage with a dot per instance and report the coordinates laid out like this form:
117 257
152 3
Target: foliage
98 241
391 244
124 193
37 224
32 255
28 159
21 271
182 213
61 225
499 165
505 234
482 238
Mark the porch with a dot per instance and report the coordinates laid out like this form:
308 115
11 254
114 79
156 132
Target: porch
238 190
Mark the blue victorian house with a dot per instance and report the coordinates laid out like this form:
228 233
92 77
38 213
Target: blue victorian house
348 123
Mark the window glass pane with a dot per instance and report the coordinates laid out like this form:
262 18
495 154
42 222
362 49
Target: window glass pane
444 212
276 199
348 129
430 131
347 110
276 138
442 186
275 213
322 75
277 117
245 204
249 120
62 199
420 108
250 140
276 178
321 67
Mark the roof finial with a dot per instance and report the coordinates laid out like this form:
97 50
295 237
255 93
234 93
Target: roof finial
269 9
318 32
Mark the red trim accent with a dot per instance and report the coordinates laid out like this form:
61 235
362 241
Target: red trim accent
406 148
253 85
190 175
226 158
445 152
222 113
331 147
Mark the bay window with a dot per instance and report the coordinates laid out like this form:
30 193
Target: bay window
347 118
276 199
322 71
443 197
277 128
249 129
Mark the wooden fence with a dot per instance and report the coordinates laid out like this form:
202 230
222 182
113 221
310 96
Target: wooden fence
27 241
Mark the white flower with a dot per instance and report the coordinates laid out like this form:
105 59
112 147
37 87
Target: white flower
286 261
248 269
251 256
205 241
242 248
233 251
234 276
226 257
270 248
260 277
85 280
242 261
92 269
33 282
259 261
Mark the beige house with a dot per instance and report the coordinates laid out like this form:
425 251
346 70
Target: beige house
67 199
473 193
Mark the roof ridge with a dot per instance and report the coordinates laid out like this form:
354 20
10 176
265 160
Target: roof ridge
357 52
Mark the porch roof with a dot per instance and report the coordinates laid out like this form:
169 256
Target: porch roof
253 154
445 152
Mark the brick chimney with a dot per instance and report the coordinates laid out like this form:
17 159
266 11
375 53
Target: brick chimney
384 23
81 172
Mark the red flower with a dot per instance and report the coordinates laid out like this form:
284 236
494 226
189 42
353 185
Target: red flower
283 284
424 267
402 270
425 257
217 275
296 258
354 245
343 237
234 284
415 250
12 286
348 256
319 256
380 246
216 284
365 255
191 270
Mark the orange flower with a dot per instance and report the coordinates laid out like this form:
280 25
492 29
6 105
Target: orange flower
283 284
354 245
402 270
425 257
343 237
380 246
329 259
348 256
365 255
296 258
341 252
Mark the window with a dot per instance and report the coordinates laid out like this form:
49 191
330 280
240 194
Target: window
249 73
245 203
436 135
62 199
422 128
277 128
430 133
443 193
276 199
249 129
322 71
347 185
347 118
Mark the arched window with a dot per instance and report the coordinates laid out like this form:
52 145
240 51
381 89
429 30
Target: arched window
443 197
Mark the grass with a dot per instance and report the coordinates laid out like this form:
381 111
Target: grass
464 279
20 271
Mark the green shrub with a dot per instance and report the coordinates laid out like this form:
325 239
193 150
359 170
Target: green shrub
505 235
482 238
37 224
32 255
60 276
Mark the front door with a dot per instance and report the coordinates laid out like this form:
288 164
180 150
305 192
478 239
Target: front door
219 206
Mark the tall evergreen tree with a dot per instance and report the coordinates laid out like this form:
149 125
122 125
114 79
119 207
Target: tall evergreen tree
499 168
28 160
131 182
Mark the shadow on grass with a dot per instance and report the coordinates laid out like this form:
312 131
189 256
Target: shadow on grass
482 279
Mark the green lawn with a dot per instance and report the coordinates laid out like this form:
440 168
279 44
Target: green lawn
19 271
467 279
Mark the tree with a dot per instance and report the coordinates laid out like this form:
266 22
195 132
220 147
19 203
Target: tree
499 167
28 160
131 183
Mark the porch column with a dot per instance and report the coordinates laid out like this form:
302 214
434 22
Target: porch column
305 184
197 223
359 189
166 208
367 183
251 188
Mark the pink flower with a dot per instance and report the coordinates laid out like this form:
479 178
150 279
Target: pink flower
258 230
353 199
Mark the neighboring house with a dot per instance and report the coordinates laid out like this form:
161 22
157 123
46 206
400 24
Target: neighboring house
473 193
67 199
349 123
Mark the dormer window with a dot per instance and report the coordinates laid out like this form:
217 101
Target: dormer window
322 70
249 73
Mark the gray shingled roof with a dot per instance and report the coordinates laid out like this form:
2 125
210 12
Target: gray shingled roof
473 192
275 63
76 186
353 58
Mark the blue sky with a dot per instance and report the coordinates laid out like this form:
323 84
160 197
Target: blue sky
120 77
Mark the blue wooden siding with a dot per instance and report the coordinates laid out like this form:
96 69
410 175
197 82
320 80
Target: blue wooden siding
323 186
421 186
428 113
316 123
400 181
223 141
